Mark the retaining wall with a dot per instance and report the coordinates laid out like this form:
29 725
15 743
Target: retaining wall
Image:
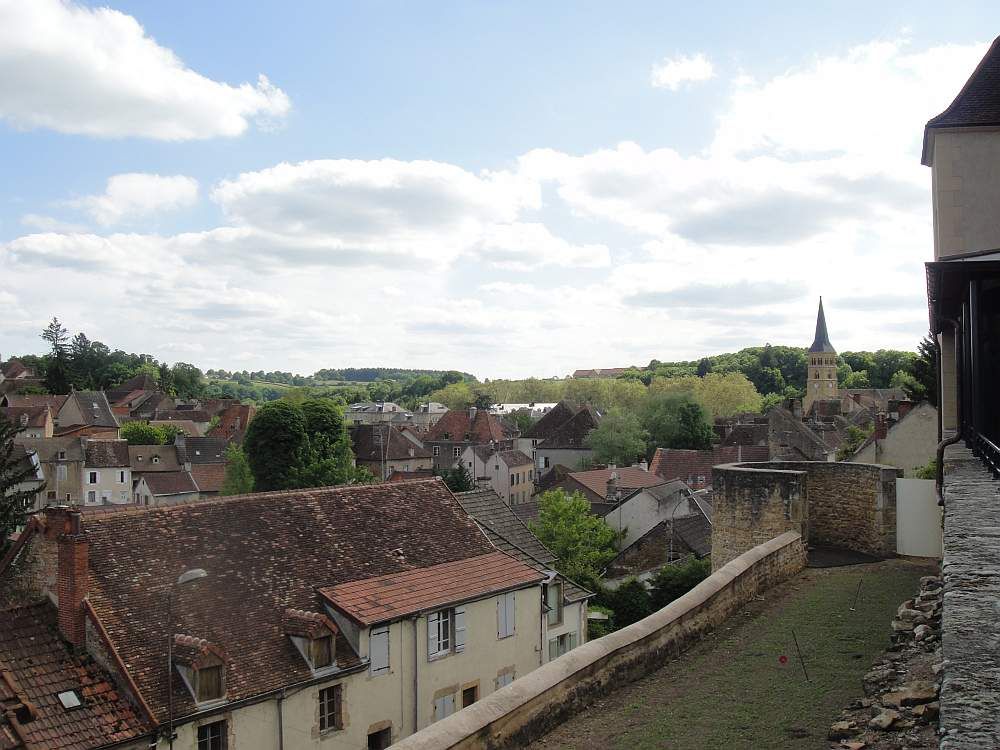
520 713
846 505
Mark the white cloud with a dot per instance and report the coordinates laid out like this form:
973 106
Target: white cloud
50 224
136 195
95 71
528 246
671 72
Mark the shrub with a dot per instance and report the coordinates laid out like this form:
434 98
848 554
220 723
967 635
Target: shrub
672 581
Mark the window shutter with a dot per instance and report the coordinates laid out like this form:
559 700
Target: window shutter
510 613
553 648
500 617
460 628
433 621
378 649
572 642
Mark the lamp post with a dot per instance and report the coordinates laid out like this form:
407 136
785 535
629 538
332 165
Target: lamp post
186 577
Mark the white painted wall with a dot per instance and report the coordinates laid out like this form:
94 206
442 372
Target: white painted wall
918 518
642 512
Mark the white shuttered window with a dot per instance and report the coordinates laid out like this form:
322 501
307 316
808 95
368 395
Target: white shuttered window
505 615
378 650
460 628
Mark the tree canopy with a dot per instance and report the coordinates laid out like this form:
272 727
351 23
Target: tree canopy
15 504
582 543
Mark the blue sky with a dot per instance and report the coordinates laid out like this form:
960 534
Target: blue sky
505 188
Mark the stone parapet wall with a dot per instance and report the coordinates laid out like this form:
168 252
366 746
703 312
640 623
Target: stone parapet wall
846 505
518 714
970 634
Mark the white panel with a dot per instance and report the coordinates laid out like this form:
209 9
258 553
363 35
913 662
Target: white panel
378 649
918 518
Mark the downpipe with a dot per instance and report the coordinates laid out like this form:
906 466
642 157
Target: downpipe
939 468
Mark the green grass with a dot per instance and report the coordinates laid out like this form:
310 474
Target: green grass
741 695
732 691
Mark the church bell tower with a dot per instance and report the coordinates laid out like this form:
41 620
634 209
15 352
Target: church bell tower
821 379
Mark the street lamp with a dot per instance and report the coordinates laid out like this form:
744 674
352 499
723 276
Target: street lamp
186 577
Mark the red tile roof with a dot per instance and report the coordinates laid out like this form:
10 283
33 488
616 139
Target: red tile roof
264 553
455 426
170 482
390 597
629 478
209 477
54 403
405 476
233 423
35 667
689 465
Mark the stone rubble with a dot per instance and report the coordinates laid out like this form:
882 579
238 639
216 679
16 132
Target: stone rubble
901 706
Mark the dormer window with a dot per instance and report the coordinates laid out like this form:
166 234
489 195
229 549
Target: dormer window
203 667
314 636
208 683
156 459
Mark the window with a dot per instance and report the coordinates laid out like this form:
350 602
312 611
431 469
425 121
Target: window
378 650
93 477
123 496
444 706
561 644
504 679
331 715
121 477
512 478
62 455
554 603
50 495
470 695
436 450
209 683
546 459
212 736
105 496
459 628
456 452
92 498
321 652
61 473
505 615
380 740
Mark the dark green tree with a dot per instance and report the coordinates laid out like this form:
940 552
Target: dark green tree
239 478
672 581
15 503
57 372
277 446
582 543
630 602
924 370
619 439
675 420
457 479
704 367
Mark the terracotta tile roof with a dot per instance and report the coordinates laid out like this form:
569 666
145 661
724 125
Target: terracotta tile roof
456 426
233 423
629 478
390 597
181 415
162 483
106 453
264 553
695 467
31 399
26 416
405 476
35 667
367 440
209 477
141 382
13 368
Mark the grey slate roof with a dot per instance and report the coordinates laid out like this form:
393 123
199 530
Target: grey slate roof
822 341
509 534
202 450
48 448
95 408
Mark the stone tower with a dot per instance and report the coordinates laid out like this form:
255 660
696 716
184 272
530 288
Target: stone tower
821 379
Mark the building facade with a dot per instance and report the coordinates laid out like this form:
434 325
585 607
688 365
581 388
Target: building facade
821 378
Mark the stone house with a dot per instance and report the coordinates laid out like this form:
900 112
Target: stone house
461 428
559 437
907 444
295 621
107 473
510 473
62 460
384 449
30 421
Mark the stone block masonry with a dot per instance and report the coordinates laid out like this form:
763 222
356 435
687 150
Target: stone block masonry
525 710
846 505
970 634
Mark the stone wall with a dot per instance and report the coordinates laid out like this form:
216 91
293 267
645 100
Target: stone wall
970 633
751 505
520 713
846 505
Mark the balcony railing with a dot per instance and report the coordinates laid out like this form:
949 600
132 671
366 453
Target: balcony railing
987 451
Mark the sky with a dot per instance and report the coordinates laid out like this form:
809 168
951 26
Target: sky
509 189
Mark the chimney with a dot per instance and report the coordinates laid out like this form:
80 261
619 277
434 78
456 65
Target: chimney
881 428
643 465
472 413
612 496
904 408
73 581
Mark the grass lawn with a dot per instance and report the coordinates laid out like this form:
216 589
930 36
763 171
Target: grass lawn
732 689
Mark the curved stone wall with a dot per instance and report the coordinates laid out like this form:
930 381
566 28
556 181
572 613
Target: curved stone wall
846 505
516 715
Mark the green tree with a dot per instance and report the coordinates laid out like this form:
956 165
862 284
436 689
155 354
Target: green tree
142 433
15 504
924 371
239 478
330 460
618 439
672 581
858 379
582 543
57 372
277 446
854 440
457 479
630 602
675 420
187 380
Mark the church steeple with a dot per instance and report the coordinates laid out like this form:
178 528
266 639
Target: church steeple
822 341
821 377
